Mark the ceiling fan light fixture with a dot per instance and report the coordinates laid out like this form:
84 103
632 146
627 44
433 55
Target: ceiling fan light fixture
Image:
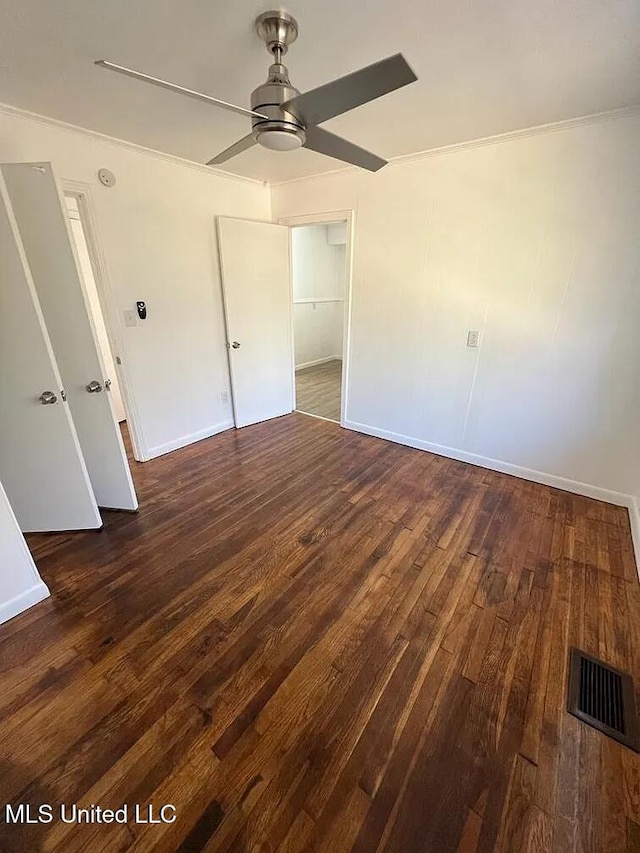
276 139
283 119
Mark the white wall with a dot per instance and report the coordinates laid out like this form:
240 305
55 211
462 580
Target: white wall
318 330
156 229
533 240
318 273
20 584
318 266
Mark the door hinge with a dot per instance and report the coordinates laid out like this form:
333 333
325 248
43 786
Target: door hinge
63 395
118 360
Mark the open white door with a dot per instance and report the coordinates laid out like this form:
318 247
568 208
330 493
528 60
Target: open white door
256 283
41 464
39 208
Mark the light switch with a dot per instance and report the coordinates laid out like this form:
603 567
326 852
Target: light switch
473 336
130 318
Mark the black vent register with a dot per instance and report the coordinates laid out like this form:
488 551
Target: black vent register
603 697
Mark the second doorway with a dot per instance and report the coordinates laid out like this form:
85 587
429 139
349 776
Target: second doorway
319 266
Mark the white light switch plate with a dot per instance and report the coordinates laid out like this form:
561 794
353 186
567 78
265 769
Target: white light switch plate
130 317
473 336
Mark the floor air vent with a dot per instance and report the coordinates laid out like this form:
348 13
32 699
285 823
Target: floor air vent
602 697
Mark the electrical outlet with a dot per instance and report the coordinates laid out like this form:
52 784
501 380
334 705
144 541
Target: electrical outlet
130 318
473 336
224 396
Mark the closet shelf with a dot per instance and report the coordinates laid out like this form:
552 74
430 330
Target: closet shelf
318 299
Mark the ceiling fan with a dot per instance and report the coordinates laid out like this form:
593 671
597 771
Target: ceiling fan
283 119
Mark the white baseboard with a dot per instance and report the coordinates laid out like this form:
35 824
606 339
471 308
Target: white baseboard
24 601
578 488
318 361
184 440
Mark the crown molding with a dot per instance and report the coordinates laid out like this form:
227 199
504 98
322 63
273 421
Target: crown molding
18 112
509 136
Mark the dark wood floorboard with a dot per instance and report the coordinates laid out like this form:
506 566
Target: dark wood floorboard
319 389
309 639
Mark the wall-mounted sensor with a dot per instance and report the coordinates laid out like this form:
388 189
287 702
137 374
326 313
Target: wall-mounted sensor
142 310
106 178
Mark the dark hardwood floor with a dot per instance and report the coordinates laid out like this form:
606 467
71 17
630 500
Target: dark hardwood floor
308 639
319 389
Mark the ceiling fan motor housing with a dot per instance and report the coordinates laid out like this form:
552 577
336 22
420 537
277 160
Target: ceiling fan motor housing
281 130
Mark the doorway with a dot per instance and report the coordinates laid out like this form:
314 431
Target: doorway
260 301
91 290
320 272
101 302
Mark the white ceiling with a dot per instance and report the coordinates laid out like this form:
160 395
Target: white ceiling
484 68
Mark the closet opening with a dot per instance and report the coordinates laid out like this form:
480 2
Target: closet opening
320 274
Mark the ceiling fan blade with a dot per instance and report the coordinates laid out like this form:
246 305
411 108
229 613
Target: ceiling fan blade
173 87
351 91
334 146
237 148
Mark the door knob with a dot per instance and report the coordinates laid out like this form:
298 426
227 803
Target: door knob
94 387
47 398
235 345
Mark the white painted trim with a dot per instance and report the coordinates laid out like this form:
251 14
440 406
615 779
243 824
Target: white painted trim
39 591
326 218
634 518
567 485
509 136
347 315
313 299
81 191
17 112
610 115
292 319
318 361
22 602
184 440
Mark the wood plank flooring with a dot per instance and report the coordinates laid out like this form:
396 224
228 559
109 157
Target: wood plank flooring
319 388
309 639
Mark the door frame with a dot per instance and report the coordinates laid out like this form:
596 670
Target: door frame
81 191
328 218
